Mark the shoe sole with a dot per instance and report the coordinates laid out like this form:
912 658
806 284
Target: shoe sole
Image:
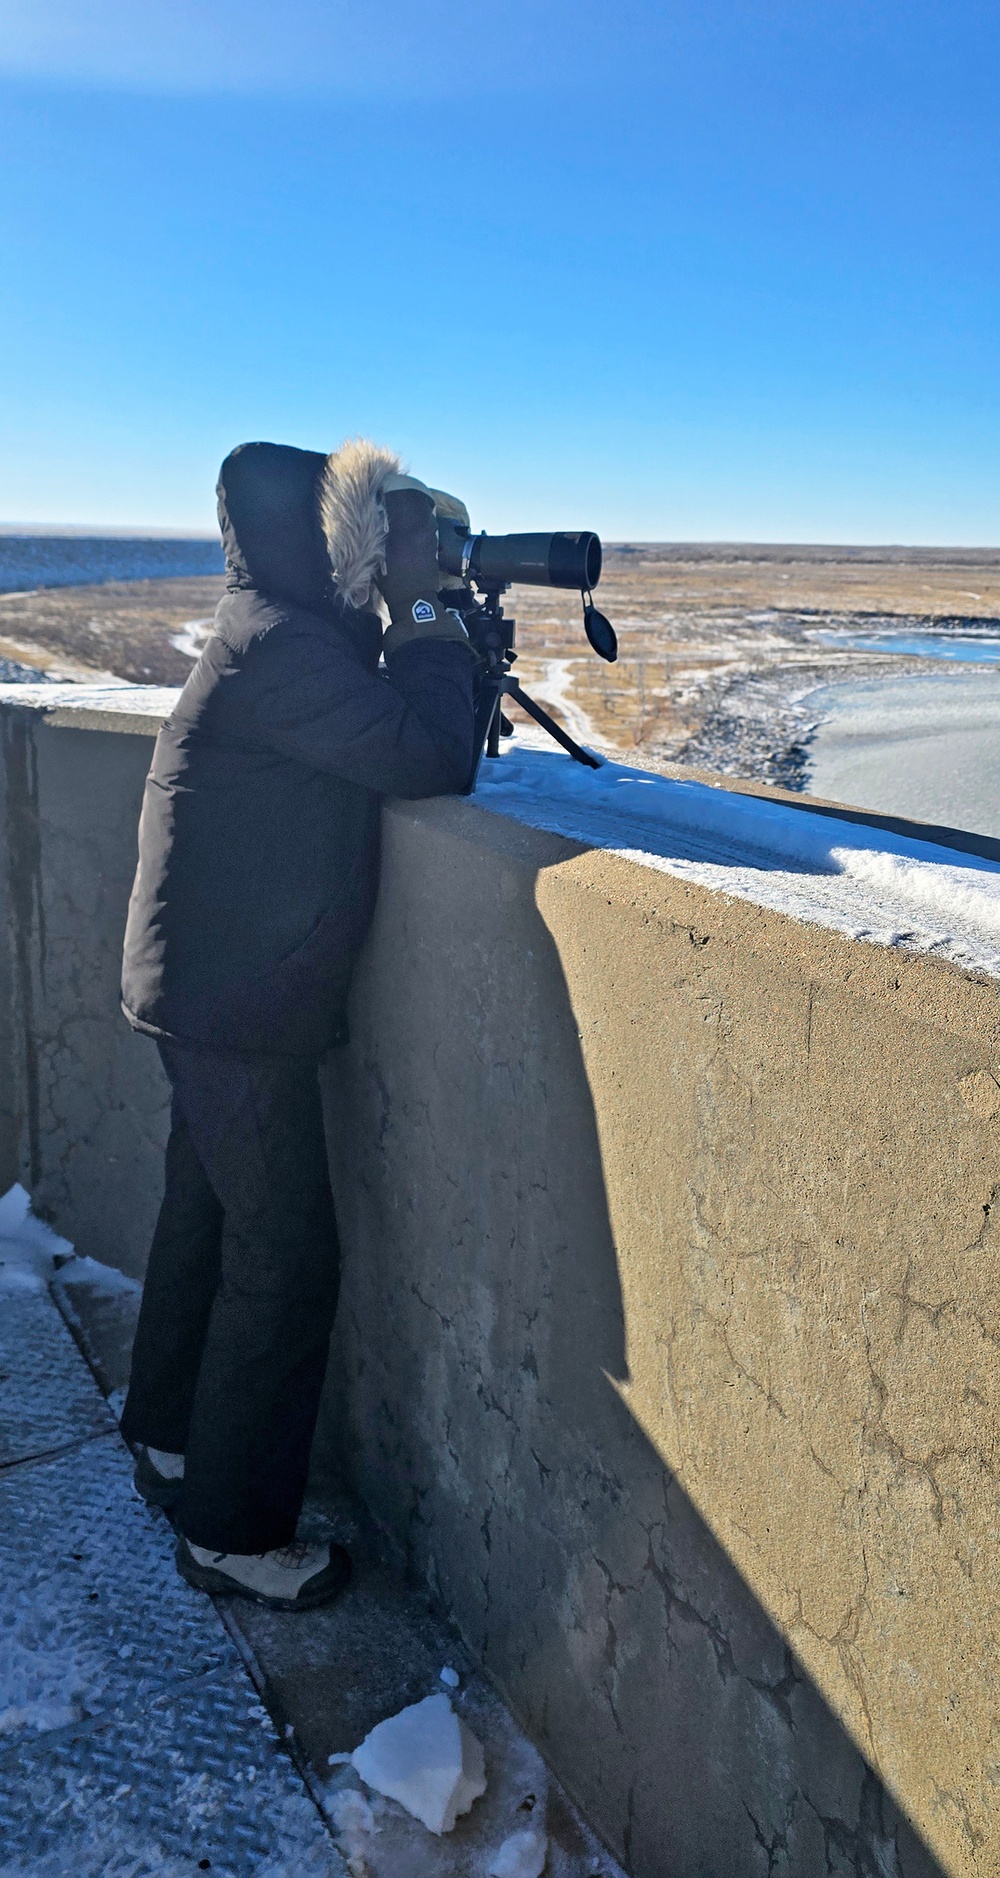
220 1585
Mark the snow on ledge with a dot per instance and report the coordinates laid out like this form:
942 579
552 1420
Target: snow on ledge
122 707
864 882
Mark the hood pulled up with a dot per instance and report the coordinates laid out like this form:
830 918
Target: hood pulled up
271 531
305 528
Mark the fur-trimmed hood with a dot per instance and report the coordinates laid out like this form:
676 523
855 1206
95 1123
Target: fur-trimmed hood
305 528
353 516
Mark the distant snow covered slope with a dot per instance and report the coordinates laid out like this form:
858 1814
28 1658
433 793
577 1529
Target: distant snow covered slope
861 881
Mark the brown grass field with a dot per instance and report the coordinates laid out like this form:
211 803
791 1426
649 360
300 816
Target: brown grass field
717 646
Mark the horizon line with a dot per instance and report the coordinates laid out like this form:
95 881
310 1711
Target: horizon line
114 531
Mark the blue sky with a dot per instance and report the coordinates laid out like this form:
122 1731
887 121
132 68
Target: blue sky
725 271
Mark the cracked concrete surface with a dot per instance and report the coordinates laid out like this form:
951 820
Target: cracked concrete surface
690 1395
668 1348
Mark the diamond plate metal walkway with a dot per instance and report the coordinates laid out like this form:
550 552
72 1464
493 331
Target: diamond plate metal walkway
132 1741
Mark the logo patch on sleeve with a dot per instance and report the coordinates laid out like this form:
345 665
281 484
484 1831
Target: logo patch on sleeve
423 612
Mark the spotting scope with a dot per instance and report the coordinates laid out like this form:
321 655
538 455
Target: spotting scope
560 560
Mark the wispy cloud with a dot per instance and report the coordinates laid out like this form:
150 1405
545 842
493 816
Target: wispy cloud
417 48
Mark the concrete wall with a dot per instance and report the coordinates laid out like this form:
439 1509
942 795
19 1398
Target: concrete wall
84 1104
668 1348
670 1343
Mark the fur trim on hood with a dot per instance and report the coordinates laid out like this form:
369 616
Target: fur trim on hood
353 516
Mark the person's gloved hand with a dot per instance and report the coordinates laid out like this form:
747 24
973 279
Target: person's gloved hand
412 579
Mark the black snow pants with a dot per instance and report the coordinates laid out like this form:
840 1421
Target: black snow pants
240 1295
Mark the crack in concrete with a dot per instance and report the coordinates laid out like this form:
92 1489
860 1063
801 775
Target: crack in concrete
870 1849
777 1846
676 1604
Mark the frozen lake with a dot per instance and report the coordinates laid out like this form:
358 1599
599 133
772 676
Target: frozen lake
923 747
28 561
973 645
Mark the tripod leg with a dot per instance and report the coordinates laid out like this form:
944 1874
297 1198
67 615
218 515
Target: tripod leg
487 727
513 690
493 734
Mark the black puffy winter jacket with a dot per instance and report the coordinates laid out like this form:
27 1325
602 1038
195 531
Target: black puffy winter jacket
258 841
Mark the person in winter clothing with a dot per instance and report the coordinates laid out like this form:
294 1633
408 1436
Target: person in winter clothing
258 865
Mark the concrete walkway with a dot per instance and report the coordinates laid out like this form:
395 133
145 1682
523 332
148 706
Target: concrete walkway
144 1730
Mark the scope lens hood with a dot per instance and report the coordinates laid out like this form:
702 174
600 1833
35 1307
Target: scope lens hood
563 559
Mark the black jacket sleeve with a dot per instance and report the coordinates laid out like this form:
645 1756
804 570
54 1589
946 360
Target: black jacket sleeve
407 732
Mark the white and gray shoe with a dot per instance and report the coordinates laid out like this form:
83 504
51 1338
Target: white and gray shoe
295 1578
159 1477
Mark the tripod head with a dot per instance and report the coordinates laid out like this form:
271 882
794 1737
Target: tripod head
491 635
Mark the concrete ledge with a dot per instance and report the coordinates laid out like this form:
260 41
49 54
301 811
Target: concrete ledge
130 710
667 1351
668 1348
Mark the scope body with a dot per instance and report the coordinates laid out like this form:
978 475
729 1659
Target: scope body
557 560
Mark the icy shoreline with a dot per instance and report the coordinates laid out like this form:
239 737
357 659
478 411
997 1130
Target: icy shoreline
925 745
760 718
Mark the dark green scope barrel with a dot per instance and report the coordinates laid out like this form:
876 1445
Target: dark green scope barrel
560 560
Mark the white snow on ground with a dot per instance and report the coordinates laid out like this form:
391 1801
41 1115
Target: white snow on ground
861 881
30 1254
106 1279
28 1248
193 636
523 1855
40 1689
554 689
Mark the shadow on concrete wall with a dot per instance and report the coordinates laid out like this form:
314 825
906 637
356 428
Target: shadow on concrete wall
481 1335
482 1331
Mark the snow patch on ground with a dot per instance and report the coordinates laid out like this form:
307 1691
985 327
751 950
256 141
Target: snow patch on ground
354 1825
31 1254
106 1279
193 636
111 694
40 1688
864 882
523 1855
29 1250
554 689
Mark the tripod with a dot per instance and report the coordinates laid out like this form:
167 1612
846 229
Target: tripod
492 639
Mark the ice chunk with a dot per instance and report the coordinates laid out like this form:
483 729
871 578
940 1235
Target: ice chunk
426 1758
523 1855
450 1676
